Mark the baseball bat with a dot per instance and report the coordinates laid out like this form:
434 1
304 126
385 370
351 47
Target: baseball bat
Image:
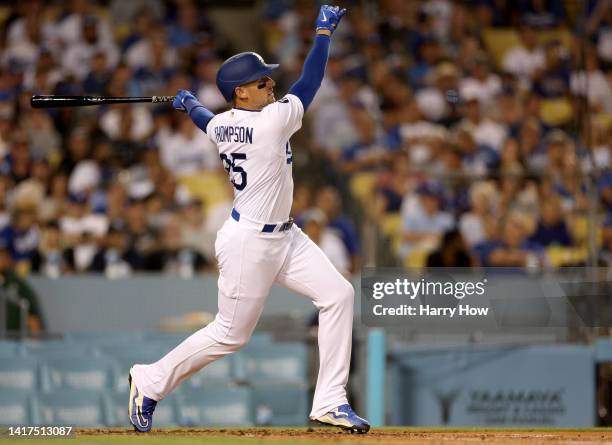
84 101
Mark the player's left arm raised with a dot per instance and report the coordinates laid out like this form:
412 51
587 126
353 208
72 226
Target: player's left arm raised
314 66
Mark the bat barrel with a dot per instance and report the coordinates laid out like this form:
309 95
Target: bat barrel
83 101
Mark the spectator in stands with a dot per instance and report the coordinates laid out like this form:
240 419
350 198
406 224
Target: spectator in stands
194 230
483 204
77 58
31 191
476 159
17 163
10 279
127 125
52 259
423 221
302 201
510 161
438 102
77 220
205 87
328 200
25 36
606 251
188 151
171 255
542 14
604 186
56 196
592 83
152 52
418 136
70 28
5 191
451 253
43 139
599 27
394 185
124 13
526 58
315 226
552 80
367 153
116 259
483 129
184 32
481 84
85 177
142 238
598 154
97 79
513 249
532 147
428 56
21 237
508 108
153 76
551 228
78 149
44 75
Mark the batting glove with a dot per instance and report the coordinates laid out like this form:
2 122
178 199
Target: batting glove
329 17
184 100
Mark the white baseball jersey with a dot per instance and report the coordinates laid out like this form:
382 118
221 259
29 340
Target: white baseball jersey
255 150
254 147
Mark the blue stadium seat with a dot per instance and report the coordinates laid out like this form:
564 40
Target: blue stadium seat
281 404
103 339
222 370
57 349
165 341
77 372
73 407
125 358
216 405
166 412
17 407
260 338
19 373
276 362
8 348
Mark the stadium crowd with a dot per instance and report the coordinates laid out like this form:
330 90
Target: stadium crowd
462 154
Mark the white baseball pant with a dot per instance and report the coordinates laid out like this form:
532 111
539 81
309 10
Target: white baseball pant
249 263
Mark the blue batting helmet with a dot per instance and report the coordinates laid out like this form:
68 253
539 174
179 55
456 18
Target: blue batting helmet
240 69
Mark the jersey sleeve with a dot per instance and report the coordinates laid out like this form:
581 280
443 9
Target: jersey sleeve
287 113
209 126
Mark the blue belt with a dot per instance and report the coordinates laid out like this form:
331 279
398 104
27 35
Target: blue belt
267 228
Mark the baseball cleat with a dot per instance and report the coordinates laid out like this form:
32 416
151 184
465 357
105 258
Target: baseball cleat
344 417
140 409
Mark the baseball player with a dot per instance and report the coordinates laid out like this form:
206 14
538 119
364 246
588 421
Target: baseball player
259 245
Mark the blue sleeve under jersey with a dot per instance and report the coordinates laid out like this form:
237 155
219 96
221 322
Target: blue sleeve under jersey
314 69
200 115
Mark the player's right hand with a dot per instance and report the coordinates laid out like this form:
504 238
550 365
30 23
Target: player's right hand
329 17
181 98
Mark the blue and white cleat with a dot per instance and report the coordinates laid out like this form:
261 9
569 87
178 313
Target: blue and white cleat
344 417
140 409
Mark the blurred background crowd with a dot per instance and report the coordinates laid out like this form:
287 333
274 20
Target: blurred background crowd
445 133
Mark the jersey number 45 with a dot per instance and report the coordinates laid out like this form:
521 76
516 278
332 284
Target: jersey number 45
229 164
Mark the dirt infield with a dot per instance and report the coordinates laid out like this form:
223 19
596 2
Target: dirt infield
378 436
